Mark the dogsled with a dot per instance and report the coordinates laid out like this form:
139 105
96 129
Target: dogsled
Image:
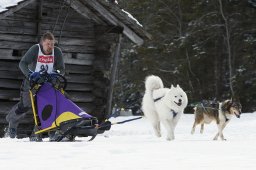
53 111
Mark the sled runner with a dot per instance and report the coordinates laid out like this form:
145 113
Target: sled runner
54 111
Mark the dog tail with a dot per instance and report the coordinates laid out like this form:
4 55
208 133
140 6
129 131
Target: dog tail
153 83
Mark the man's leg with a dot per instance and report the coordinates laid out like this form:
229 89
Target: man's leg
11 129
18 112
15 115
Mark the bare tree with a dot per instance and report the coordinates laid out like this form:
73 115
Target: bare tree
227 39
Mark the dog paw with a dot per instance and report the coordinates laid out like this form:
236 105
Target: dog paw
170 138
158 135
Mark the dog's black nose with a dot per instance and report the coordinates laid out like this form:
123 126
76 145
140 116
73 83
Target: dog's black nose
180 100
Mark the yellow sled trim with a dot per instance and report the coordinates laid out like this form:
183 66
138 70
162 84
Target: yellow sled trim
45 130
65 117
62 118
33 107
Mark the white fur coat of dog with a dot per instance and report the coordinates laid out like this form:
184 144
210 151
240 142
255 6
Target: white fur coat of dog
163 105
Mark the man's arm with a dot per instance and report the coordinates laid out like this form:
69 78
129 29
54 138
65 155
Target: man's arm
59 63
27 59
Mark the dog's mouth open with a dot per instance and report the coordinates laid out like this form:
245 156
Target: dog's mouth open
178 103
236 113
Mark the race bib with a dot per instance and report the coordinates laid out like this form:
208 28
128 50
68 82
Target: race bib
44 62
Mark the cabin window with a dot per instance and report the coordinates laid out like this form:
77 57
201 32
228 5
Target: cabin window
74 55
44 14
16 53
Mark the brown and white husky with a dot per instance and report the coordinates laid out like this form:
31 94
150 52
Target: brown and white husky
222 115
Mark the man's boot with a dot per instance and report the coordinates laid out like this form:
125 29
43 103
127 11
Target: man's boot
10 132
56 135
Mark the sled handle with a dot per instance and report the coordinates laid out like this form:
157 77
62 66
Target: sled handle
46 77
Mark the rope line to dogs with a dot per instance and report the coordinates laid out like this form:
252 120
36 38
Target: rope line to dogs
205 107
195 105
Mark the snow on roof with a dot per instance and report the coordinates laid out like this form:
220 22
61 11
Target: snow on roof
129 15
7 3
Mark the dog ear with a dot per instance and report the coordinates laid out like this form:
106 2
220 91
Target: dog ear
172 86
178 86
226 105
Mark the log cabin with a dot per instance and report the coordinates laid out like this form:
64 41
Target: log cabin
89 32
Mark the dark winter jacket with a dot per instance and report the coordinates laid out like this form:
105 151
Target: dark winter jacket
29 61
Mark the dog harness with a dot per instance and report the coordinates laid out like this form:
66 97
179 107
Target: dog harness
173 112
202 106
44 61
159 98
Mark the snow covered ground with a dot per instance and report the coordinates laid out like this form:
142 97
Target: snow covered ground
133 146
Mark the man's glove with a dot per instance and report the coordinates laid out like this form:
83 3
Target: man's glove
34 76
54 75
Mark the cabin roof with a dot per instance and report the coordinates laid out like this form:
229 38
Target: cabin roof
102 12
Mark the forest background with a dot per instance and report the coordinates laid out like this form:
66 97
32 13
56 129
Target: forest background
207 47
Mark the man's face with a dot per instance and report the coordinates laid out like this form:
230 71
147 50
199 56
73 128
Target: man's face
48 46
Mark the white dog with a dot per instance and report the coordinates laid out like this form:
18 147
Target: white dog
163 105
